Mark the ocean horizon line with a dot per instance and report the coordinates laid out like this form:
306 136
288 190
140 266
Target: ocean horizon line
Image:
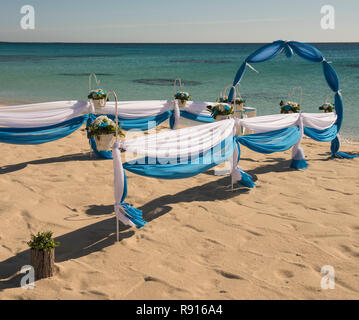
172 43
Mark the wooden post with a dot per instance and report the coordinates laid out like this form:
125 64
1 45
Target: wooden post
43 263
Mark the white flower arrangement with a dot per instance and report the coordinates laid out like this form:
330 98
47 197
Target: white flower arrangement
102 125
220 109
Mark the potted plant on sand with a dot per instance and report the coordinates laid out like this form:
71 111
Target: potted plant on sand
103 130
42 254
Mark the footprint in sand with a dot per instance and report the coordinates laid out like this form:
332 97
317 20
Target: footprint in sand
350 251
229 275
286 273
194 228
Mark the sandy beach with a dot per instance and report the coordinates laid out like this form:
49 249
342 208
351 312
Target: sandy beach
202 241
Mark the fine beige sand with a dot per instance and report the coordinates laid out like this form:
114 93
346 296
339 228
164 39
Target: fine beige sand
202 241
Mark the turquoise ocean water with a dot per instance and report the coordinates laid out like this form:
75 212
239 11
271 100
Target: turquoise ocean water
47 72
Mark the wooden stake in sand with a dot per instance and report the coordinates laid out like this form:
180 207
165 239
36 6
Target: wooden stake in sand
43 263
42 254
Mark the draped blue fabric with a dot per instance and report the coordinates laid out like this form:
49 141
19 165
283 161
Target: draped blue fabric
182 168
195 117
330 76
31 136
142 123
322 135
309 53
238 77
172 120
298 164
338 101
273 141
135 215
101 154
306 51
334 148
266 52
246 180
288 50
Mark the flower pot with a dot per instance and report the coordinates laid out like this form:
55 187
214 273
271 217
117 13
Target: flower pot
181 103
104 142
222 117
99 103
43 263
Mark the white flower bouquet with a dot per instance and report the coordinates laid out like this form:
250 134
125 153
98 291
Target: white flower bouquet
103 130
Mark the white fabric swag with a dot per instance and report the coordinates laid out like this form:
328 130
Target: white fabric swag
318 121
181 143
41 114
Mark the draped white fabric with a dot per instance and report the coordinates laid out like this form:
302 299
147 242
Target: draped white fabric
268 123
119 185
198 108
319 121
41 114
137 109
182 142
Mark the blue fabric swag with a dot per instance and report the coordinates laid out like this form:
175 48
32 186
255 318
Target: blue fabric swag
134 214
273 141
182 168
39 135
195 117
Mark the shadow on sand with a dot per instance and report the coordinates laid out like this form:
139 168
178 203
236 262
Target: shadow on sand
97 236
88 156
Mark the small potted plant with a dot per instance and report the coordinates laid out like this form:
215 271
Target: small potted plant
220 111
182 98
103 130
42 254
289 107
327 107
98 97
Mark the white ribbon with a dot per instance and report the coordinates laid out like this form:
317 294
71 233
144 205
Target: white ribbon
251 67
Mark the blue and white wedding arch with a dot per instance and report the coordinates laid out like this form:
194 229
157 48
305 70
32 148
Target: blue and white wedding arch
312 54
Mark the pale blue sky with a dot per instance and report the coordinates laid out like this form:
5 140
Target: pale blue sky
179 21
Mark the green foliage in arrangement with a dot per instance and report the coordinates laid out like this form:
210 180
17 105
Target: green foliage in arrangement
42 241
